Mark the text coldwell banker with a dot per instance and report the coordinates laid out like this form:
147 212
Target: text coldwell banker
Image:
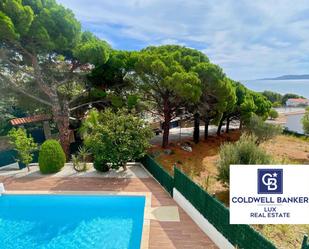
270 199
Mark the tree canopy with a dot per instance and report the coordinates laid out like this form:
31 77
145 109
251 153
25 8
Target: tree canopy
164 76
44 56
218 93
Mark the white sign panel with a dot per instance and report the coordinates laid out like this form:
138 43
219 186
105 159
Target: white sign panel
269 194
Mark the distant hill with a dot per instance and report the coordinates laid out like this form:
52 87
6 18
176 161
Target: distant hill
289 77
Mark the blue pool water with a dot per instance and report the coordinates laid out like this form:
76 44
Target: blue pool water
71 222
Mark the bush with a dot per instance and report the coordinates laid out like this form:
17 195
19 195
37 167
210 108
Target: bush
79 160
262 130
100 165
51 157
273 114
24 144
115 138
244 151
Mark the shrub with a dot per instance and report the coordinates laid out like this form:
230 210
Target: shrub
115 138
79 160
51 157
100 165
244 151
24 144
262 130
273 114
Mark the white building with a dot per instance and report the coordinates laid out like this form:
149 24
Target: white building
297 102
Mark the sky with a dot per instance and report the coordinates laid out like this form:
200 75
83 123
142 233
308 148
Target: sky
248 39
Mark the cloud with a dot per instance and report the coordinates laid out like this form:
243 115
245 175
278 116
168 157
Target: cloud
248 39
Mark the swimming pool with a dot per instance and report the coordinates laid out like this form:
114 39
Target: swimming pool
71 221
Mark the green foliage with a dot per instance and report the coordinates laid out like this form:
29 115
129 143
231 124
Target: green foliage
115 138
92 50
273 96
116 101
277 104
262 130
248 103
168 69
273 114
218 92
244 151
263 106
24 144
80 159
8 111
100 164
160 71
305 122
45 25
112 73
132 101
7 28
290 96
51 157
20 16
164 77
45 56
97 93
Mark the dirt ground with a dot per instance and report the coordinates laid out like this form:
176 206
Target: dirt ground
200 164
288 149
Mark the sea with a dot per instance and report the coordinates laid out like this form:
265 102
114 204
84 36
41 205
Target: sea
300 87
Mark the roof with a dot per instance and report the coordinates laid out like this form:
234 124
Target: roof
299 100
31 119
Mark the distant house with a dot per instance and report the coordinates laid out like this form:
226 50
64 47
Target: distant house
297 102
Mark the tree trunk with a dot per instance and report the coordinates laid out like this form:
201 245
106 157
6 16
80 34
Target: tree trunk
124 166
227 125
207 121
166 124
166 130
240 124
196 131
220 126
61 118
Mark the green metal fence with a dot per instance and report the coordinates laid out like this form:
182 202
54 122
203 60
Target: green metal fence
159 173
242 236
305 244
10 156
7 157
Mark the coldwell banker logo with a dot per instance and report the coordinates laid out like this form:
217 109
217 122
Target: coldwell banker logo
270 181
258 198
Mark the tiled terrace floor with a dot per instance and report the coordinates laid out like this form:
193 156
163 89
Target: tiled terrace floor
163 235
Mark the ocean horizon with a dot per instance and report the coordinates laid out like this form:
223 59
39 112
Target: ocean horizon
300 87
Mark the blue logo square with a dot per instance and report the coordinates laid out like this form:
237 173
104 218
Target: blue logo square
270 181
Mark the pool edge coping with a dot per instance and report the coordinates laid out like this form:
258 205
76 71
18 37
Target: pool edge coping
147 209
